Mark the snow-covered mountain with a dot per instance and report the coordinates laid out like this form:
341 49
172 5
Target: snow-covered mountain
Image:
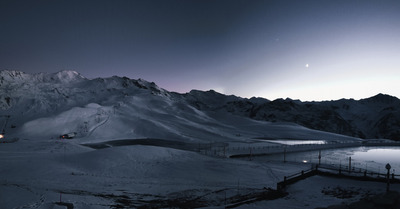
375 117
48 105
175 162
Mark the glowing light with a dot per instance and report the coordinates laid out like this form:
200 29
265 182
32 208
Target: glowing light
307 65
1 136
305 161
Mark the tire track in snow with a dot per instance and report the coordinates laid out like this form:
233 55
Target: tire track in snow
98 125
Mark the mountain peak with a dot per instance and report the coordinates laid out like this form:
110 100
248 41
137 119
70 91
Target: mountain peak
381 98
12 74
66 76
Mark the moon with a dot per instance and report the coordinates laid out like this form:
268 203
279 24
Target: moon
307 65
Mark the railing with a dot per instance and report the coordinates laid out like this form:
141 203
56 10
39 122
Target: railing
287 180
329 170
248 151
357 172
224 150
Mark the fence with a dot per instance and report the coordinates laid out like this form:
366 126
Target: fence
224 150
358 172
287 180
329 170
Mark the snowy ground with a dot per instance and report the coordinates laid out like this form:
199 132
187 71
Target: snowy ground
319 191
39 169
35 172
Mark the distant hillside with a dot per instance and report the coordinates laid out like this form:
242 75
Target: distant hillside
47 105
374 117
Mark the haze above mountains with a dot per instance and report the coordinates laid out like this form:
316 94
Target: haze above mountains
47 105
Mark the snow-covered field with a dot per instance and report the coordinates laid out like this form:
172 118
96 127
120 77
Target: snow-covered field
34 174
320 191
172 166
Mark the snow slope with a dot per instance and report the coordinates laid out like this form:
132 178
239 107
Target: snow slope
39 169
34 173
49 105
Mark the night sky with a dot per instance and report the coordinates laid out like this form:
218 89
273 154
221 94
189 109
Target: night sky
307 50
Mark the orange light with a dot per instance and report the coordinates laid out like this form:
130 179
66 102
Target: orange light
1 136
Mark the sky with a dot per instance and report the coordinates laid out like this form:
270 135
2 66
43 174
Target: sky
307 50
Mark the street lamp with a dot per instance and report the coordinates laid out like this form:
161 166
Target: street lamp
388 167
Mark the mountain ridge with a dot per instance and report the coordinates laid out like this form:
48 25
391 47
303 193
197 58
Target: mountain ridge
27 95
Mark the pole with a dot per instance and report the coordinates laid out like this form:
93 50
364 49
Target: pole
319 157
284 154
349 164
388 167
387 185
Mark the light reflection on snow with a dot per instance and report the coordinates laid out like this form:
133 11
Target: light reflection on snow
369 158
296 142
379 157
